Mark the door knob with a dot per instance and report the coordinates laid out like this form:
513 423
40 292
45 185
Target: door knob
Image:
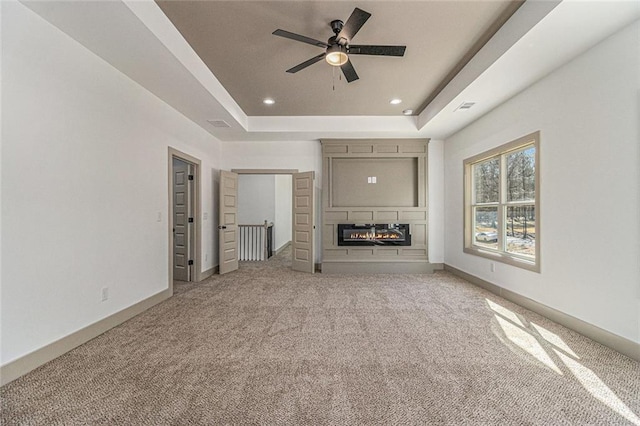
222 227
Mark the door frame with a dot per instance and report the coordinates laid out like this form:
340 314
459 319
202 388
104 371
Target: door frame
197 222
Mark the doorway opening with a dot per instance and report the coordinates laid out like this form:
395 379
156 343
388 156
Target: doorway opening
264 215
302 223
184 217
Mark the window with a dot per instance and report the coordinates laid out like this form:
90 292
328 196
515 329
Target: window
501 203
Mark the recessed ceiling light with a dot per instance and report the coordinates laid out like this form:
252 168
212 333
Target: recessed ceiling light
395 101
407 112
268 101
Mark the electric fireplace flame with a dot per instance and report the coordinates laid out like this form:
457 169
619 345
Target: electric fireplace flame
373 234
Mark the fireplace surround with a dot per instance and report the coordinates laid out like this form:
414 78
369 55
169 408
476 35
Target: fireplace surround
379 187
374 234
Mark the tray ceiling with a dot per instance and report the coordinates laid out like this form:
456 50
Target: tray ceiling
233 38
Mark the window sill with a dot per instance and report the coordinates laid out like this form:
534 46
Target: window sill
533 266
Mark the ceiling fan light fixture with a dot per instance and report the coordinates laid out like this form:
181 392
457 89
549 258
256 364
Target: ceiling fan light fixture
336 56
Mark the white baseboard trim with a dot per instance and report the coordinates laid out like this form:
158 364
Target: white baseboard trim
617 343
284 246
35 359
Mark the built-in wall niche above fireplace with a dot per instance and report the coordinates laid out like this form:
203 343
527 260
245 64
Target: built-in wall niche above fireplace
374 182
375 234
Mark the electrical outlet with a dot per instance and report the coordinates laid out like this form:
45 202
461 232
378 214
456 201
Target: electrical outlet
206 216
159 217
105 293
492 266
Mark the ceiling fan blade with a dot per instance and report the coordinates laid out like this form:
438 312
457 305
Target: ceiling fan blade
377 50
306 63
298 37
349 72
354 23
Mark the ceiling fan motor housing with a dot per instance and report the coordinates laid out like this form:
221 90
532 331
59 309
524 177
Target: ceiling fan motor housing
336 26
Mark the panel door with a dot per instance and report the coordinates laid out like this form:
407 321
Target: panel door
228 220
181 232
303 222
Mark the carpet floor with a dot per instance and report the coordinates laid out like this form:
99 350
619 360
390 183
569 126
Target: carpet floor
266 345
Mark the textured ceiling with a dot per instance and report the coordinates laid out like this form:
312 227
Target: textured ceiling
234 40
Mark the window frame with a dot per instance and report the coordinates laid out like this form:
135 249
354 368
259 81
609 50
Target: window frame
500 254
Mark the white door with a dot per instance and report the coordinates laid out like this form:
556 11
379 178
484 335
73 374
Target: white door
228 222
181 214
303 222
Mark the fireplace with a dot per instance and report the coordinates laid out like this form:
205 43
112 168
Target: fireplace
395 234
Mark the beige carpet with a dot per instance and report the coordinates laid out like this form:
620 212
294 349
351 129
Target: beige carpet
265 345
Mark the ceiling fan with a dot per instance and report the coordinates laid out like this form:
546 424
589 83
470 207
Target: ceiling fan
338 47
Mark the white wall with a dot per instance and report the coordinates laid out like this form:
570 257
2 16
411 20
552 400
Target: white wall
302 155
587 113
435 200
256 199
283 199
84 177
1 174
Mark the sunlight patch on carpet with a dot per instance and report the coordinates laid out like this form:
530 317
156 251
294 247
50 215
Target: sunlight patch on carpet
508 314
526 341
554 339
596 387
